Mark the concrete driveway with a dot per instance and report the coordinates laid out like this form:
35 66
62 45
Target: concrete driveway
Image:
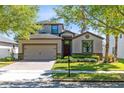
27 71
30 65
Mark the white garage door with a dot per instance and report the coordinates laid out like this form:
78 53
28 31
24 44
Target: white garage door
39 52
5 52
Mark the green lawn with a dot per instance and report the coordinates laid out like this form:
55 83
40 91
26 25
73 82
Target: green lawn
90 77
91 66
2 64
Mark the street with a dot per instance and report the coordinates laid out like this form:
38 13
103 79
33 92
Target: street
57 84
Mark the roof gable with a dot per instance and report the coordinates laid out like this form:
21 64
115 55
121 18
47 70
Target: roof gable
49 23
88 33
67 31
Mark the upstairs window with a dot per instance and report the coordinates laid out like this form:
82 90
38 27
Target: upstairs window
44 29
54 29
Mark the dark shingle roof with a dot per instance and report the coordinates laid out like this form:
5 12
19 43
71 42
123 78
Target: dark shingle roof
67 31
48 23
89 33
44 36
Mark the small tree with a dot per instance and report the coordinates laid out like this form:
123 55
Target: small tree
18 19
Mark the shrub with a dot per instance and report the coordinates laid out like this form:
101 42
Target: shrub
73 59
7 59
110 58
61 60
77 56
85 60
89 60
86 56
66 57
76 60
59 57
96 57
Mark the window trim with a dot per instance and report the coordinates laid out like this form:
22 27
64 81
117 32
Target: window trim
57 29
91 47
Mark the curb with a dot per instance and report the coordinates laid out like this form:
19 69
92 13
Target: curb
74 80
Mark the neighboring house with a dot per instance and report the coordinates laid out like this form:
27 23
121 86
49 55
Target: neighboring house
53 40
8 46
120 46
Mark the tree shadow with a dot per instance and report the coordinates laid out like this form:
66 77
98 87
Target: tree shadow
90 67
102 67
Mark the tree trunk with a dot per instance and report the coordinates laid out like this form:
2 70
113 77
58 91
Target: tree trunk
106 48
116 48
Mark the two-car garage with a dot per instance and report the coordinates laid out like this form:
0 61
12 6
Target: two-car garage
40 47
40 52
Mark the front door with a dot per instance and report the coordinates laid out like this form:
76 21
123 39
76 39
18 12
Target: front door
66 47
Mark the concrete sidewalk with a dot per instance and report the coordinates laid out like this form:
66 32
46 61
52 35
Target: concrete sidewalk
38 75
24 75
77 71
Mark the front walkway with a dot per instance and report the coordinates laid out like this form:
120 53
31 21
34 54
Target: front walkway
25 75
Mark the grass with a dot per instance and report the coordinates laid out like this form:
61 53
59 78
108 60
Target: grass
91 66
2 64
90 77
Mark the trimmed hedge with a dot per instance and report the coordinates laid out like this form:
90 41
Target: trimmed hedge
76 60
65 60
90 60
7 59
61 60
86 56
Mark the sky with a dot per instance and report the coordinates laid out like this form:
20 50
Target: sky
46 12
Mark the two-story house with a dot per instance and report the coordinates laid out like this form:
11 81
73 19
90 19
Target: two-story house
53 40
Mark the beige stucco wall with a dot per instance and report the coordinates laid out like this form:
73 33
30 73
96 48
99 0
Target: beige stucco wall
58 42
77 44
47 36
